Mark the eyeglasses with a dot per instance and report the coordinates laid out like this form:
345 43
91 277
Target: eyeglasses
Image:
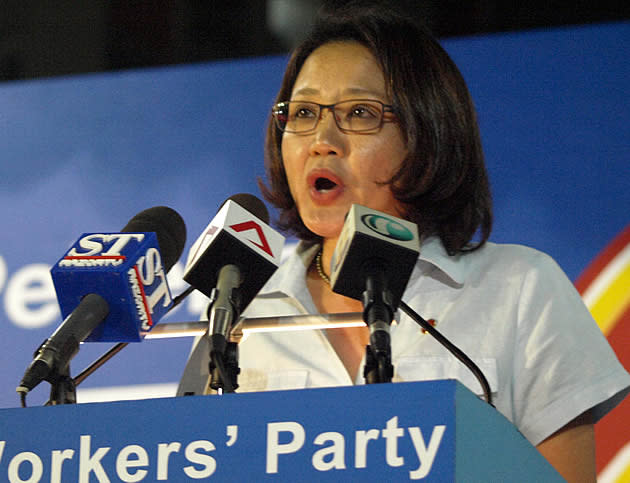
355 115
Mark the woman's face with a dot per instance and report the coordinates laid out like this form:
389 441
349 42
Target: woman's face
328 170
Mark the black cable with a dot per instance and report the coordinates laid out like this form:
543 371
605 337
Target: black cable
177 300
121 345
463 358
99 362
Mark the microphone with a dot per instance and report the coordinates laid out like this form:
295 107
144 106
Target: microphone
372 262
111 287
232 259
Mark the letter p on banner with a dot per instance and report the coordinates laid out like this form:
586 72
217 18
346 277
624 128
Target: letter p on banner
275 448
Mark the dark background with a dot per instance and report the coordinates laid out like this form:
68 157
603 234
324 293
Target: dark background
43 38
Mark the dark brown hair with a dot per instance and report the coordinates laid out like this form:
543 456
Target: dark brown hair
443 181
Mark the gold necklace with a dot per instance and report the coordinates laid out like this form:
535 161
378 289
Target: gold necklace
320 268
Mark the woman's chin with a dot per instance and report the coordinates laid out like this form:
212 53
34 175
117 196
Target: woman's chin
325 228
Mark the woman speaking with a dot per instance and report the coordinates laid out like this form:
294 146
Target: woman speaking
373 111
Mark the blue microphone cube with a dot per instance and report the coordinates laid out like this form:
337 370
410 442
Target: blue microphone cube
126 270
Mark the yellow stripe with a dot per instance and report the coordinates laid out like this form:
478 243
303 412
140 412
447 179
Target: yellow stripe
612 302
625 476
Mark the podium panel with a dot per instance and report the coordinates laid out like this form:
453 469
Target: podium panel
429 431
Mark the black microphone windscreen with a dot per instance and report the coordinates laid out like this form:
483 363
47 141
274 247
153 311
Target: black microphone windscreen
169 228
252 204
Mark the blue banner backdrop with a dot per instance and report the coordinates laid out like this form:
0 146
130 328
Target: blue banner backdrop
86 153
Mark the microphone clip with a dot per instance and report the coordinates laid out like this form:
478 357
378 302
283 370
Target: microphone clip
224 369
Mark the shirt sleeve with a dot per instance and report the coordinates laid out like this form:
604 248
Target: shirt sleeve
563 364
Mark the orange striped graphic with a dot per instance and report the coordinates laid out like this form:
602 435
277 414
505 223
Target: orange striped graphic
605 288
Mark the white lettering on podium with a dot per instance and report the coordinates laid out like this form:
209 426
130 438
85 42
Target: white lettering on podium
231 431
131 463
89 464
37 468
391 433
208 462
426 456
361 440
274 448
332 456
284 438
337 450
164 451
123 463
56 463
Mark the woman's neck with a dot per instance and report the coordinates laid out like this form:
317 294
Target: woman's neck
349 343
327 250
324 298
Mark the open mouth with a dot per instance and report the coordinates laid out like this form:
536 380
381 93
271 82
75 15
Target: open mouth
324 184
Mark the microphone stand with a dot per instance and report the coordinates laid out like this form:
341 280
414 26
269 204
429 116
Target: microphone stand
62 388
378 312
223 366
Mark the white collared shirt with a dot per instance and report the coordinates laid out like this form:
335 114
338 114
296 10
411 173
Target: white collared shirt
509 308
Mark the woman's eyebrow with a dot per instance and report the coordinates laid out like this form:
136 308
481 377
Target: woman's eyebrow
362 91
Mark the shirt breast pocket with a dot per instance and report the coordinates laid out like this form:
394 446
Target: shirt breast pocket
431 368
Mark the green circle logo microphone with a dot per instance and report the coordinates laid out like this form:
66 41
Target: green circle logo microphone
387 227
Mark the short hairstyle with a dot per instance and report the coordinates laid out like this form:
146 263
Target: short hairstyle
442 182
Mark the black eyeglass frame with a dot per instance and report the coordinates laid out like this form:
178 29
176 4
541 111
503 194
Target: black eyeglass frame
276 111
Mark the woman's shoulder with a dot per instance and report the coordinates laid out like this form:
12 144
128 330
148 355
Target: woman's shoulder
491 260
532 274
512 257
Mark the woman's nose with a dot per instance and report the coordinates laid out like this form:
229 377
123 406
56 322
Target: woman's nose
328 139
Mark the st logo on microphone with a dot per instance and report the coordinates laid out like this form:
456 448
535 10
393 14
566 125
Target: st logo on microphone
127 271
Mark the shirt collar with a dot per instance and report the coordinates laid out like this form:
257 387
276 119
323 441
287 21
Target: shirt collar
290 278
432 252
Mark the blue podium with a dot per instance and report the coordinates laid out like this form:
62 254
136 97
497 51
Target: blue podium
429 431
